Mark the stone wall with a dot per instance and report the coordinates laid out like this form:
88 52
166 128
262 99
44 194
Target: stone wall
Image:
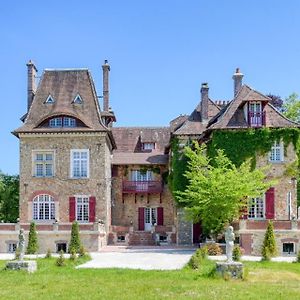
93 236
62 186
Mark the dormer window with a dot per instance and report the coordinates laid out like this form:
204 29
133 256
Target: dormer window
50 100
256 116
148 146
77 99
62 122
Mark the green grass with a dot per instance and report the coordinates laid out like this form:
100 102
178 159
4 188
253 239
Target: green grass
266 280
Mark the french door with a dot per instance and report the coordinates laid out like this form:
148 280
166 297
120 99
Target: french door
150 217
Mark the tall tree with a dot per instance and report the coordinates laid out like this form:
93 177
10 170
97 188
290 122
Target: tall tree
217 193
276 101
291 107
9 198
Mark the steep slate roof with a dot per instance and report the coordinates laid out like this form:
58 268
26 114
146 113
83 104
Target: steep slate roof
129 145
193 124
64 86
232 116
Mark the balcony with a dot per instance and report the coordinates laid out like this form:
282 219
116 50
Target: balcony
256 119
142 187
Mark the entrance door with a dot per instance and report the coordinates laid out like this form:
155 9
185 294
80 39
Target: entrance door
150 217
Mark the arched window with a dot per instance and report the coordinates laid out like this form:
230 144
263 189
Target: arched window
43 207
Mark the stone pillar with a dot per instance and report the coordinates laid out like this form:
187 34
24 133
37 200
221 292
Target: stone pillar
237 80
204 102
184 229
31 85
106 69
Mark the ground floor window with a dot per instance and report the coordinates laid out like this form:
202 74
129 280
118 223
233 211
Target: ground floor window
11 247
61 247
82 209
43 208
288 248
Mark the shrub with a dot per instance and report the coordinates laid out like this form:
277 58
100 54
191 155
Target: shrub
48 254
32 247
269 244
75 239
202 252
236 253
214 249
73 255
298 257
60 262
17 254
82 251
194 262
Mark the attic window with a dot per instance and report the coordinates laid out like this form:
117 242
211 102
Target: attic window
77 99
62 122
50 100
148 146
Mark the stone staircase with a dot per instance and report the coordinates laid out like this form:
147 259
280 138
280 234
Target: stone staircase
142 238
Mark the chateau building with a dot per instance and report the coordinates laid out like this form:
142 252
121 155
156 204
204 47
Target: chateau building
76 166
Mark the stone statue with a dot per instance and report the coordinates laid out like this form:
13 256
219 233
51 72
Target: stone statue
21 245
229 238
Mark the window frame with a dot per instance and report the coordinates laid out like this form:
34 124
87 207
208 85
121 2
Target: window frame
86 204
136 175
72 151
148 144
277 145
40 206
263 198
44 162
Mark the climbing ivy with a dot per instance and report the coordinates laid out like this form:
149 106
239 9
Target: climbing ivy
238 145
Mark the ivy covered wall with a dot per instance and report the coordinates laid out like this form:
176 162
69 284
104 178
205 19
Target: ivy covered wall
238 145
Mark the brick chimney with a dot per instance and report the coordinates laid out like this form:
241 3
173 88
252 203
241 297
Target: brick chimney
106 69
31 84
238 80
204 102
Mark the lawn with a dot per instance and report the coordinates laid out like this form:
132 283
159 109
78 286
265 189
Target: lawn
264 281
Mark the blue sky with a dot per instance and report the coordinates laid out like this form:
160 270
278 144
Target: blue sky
160 51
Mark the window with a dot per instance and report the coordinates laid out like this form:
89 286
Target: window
255 114
50 100
69 122
288 248
148 146
276 154
61 246
77 99
43 207
138 175
43 163
256 208
82 209
80 163
62 122
11 247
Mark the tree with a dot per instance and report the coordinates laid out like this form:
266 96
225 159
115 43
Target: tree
75 243
276 101
218 191
32 247
291 107
269 245
9 198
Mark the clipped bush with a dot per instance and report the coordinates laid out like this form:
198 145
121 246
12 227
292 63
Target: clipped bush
269 244
61 261
195 261
32 247
75 243
73 255
202 252
236 253
213 249
48 254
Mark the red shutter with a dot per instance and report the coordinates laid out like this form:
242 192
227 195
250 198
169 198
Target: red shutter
72 205
160 216
141 218
270 203
92 209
